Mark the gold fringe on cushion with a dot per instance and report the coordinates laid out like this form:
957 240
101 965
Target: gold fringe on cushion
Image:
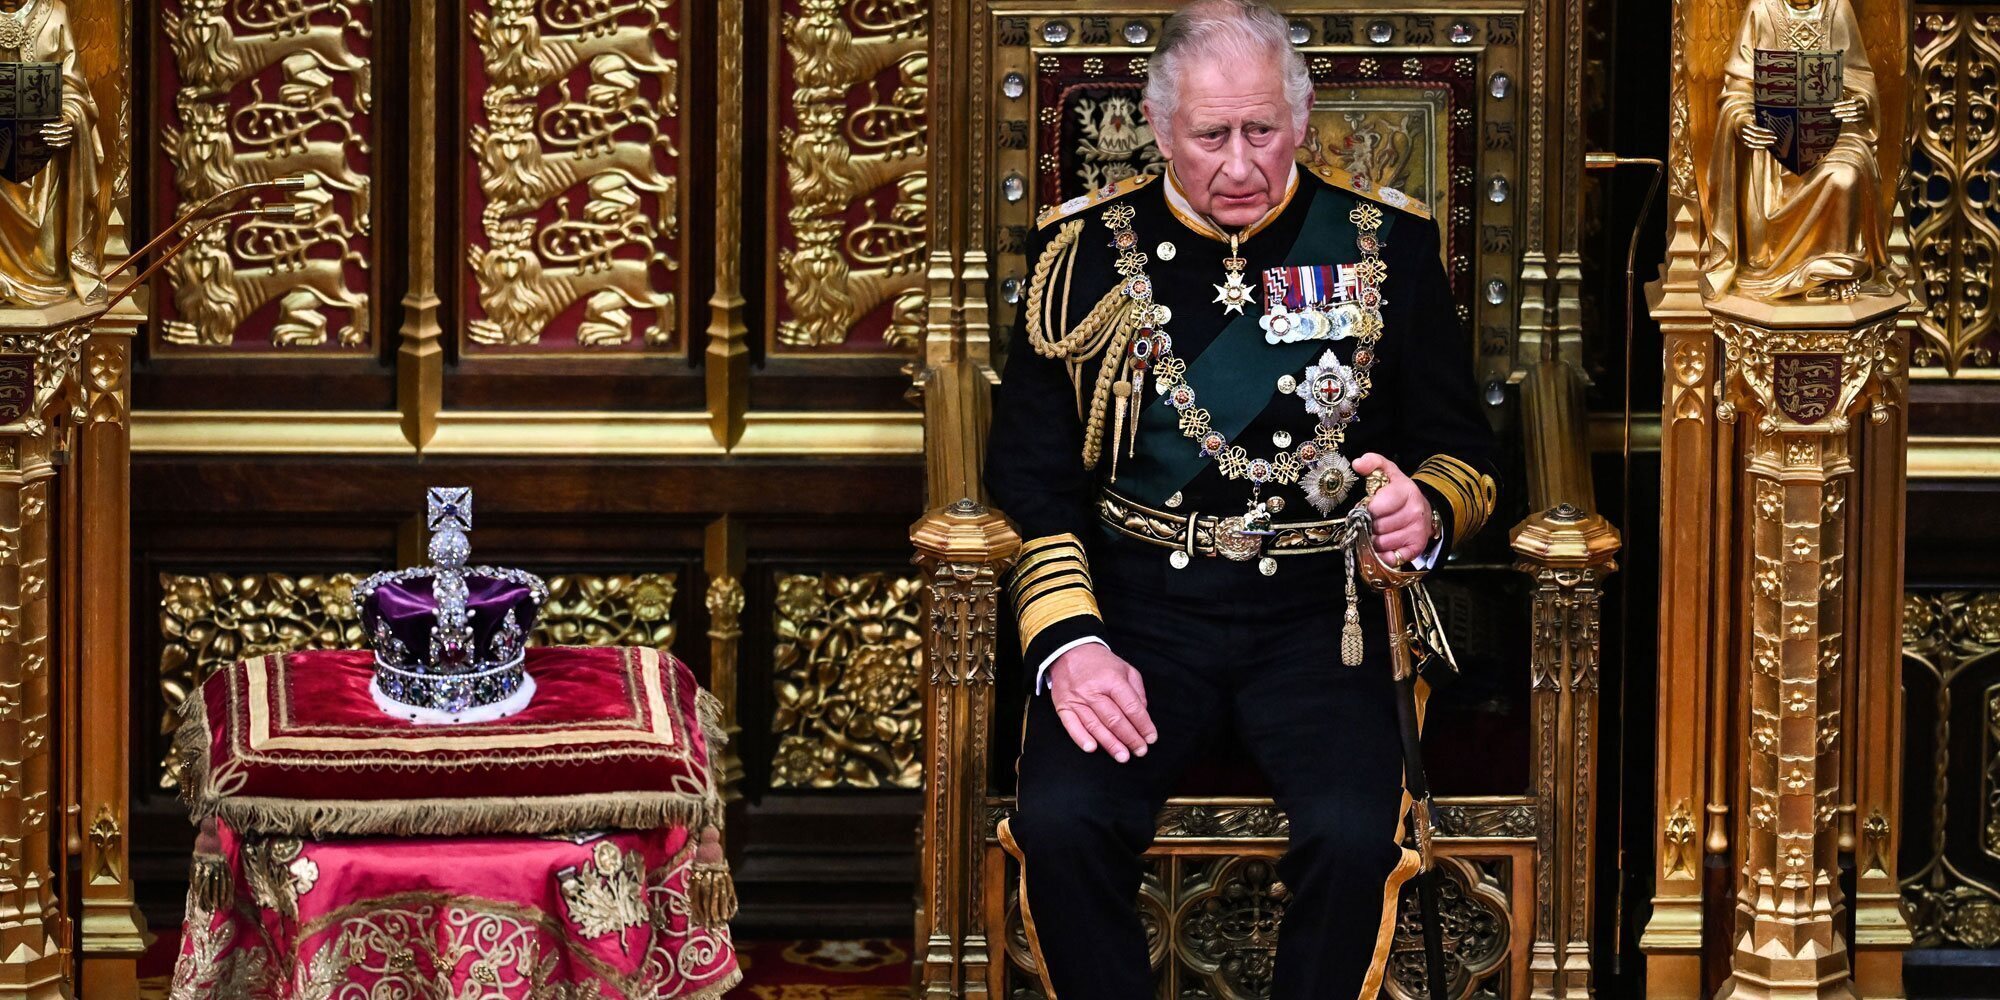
320 818
711 894
189 754
209 884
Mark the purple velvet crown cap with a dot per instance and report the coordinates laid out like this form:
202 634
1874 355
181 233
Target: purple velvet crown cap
410 611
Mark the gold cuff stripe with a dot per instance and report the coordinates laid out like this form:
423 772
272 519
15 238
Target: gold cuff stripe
1054 607
1051 582
1034 545
1026 597
1041 574
1044 558
1470 493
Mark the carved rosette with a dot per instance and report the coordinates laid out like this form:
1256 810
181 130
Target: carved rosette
574 222
847 679
853 198
257 90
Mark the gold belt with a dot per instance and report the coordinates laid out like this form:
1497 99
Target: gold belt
1213 535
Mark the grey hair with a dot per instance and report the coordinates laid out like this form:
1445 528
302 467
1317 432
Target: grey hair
1240 28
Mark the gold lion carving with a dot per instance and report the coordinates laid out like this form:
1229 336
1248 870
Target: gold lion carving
212 58
518 54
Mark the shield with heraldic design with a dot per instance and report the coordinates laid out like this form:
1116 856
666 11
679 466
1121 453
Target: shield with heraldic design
17 386
1807 383
30 97
1795 93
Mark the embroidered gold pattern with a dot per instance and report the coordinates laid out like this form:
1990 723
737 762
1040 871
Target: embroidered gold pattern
605 895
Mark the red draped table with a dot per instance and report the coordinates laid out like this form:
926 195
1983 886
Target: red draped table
554 854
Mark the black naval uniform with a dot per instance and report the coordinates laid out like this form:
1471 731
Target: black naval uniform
1218 642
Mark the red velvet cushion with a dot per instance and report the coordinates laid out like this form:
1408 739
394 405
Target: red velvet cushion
293 744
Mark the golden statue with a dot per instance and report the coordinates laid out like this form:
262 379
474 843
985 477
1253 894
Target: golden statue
1793 186
52 225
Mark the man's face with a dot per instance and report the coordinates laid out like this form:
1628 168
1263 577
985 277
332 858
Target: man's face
1232 140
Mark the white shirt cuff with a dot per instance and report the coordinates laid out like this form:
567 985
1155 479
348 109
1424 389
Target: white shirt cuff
1430 557
1042 672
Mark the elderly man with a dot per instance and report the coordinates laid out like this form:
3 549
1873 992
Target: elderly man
1197 359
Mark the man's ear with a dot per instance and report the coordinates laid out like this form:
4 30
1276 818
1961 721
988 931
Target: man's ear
1162 136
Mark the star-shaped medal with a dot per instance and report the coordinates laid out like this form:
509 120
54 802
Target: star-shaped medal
1233 293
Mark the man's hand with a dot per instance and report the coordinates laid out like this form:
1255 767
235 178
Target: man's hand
1849 110
1756 136
1102 702
1402 515
59 133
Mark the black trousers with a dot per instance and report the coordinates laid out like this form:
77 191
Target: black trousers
1220 651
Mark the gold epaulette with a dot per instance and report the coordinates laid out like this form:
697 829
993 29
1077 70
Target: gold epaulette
1359 185
1089 198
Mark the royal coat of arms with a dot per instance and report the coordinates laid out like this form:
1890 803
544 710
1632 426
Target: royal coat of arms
30 97
1807 383
1795 93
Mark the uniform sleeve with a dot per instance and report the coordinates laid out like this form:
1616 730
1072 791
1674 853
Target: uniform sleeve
1447 445
1035 475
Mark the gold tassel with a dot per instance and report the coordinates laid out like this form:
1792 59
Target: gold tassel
1138 404
1351 647
209 882
711 894
1121 393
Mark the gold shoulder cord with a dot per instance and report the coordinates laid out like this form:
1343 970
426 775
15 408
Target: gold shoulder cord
1107 330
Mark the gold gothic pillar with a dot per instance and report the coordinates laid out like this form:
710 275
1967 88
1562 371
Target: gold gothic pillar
1797 372
37 377
1568 552
964 550
1782 453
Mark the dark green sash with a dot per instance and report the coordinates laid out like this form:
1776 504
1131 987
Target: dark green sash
1235 377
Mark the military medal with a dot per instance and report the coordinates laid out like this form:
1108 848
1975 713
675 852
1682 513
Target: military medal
1319 302
1315 302
1330 390
1233 293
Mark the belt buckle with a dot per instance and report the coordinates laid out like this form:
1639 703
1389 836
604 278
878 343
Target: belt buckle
1233 541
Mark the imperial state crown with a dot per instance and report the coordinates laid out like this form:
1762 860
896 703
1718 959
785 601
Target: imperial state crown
449 639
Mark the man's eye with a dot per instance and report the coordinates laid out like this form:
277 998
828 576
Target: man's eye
1259 130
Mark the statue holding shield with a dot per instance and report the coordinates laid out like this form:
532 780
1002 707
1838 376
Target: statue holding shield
51 220
1793 186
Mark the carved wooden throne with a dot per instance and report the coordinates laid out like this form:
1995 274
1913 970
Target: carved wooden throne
1032 107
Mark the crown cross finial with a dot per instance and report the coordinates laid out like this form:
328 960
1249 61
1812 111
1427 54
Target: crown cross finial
450 504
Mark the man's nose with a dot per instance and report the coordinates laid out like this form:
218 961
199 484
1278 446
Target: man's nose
1238 162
